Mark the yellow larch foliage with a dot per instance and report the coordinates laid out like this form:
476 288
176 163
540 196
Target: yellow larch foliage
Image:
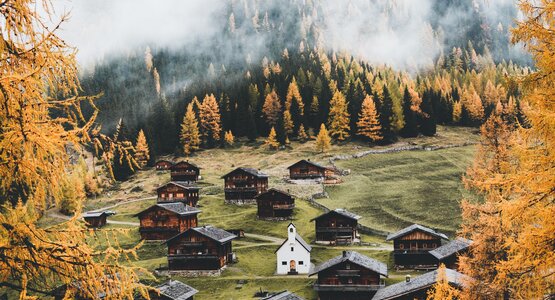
209 117
293 94
142 153
473 104
323 140
457 111
442 290
288 123
368 124
338 119
272 141
229 139
272 108
190 136
302 135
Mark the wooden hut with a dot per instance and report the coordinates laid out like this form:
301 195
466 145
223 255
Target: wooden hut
95 219
178 191
275 205
173 290
412 246
200 248
449 253
350 275
185 171
163 165
165 220
242 185
306 169
337 227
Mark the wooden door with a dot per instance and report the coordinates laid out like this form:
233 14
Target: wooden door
292 266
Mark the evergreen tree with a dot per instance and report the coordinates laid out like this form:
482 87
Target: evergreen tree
338 119
368 123
142 154
323 140
190 137
428 119
410 129
271 141
210 126
385 116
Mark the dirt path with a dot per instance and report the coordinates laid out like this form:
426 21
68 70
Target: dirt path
123 203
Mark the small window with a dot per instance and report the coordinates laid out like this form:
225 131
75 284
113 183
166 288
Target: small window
348 266
434 245
301 262
291 229
425 246
292 249
284 263
401 246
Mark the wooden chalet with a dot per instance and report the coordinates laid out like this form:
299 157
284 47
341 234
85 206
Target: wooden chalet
306 169
185 171
163 165
95 219
412 246
449 253
200 248
418 287
283 295
165 220
242 185
275 205
336 227
173 290
178 191
350 275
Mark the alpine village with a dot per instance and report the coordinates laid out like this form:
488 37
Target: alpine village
283 150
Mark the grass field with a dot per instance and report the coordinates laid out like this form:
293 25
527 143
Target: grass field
388 190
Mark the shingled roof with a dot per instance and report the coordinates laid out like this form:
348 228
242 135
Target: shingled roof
300 240
275 191
93 214
356 258
183 184
216 234
451 248
414 227
342 212
308 162
186 162
418 283
283 295
251 171
176 207
176 290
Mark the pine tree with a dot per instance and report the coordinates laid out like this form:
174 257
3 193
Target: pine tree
302 135
271 141
368 123
272 108
190 137
410 128
142 154
323 140
338 119
228 138
210 125
386 114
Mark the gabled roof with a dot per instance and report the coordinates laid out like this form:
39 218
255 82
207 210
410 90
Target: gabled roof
300 240
216 234
175 207
185 162
451 248
176 290
164 160
184 184
418 283
94 214
276 191
283 295
356 258
341 212
251 171
308 162
415 227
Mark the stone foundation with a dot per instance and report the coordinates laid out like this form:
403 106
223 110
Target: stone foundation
240 201
190 273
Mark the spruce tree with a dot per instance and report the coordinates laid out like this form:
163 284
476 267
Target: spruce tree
368 124
410 129
386 114
428 118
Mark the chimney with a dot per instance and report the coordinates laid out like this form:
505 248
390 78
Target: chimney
344 253
407 278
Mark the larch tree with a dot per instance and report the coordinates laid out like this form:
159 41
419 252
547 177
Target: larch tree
302 135
442 290
210 124
368 125
338 119
272 141
142 153
190 136
229 139
40 119
514 229
323 140
288 124
272 108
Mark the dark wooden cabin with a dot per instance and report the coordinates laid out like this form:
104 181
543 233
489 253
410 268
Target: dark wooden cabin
449 253
412 246
417 288
336 227
178 191
283 295
173 290
185 171
163 165
306 169
275 205
350 275
95 219
165 220
200 248
242 185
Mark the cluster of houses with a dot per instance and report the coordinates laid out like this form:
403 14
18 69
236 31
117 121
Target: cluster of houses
206 250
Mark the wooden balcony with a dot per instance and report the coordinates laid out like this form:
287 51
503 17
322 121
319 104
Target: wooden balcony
413 251
348 273
159 229
334 229
241 189
347 287
189 173
283 206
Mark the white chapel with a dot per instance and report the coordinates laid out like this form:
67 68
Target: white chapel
293 256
